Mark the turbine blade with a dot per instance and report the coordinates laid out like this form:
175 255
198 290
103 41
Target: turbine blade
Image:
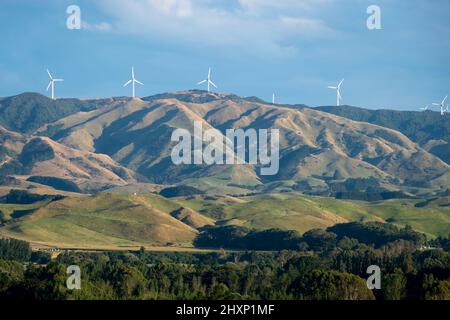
340 83
334 88
436 104
126 84
49 85
201 82
213 84
443 101
132 72
49 74
58 80
137 81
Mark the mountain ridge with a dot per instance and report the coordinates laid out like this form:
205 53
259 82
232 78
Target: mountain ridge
316 148
429 129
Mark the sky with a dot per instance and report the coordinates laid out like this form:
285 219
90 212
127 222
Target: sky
293 48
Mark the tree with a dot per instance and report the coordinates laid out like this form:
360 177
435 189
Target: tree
11 273
12 249
331 285
320 240
435 289
394 286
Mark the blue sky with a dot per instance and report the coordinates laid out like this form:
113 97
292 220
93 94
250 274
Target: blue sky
295 48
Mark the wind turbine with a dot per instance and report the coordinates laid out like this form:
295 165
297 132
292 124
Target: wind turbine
442 106
52 83
338 92
133 81
425 108
273 98
208 81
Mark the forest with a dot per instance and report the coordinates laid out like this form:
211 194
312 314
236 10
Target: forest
320 265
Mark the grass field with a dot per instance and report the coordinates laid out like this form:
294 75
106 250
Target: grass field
112 221
302 213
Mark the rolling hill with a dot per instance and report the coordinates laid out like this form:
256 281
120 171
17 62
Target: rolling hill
316 147
46 162
27 112
109 158
429 129
103 220
115 220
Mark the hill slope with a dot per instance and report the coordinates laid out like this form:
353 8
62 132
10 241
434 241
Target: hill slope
294 211
101 220
429 129
42 159
29 111
117 220
315 147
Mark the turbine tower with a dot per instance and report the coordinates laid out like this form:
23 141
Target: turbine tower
208 81
273 98
442 106
338 92
133 81
52 83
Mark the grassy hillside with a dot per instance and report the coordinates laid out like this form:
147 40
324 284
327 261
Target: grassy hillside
101 220
315 147
420 127
29 111
293 211
47 162
111 220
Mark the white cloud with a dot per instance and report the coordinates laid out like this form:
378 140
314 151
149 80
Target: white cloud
271 26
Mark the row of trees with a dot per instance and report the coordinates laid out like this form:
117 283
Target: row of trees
336 275
322 264
12 249
372 233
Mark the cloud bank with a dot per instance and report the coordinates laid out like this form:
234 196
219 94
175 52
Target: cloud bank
271 26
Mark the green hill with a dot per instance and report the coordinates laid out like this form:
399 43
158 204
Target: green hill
28 112
294 211
316 148
112 220
101 220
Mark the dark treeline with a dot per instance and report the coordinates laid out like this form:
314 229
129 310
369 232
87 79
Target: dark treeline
11 249
373 233
24 197
326 266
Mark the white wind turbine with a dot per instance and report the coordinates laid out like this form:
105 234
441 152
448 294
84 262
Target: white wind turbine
338 92
425 108
52 83
208 81
133 81
273 98
442 106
